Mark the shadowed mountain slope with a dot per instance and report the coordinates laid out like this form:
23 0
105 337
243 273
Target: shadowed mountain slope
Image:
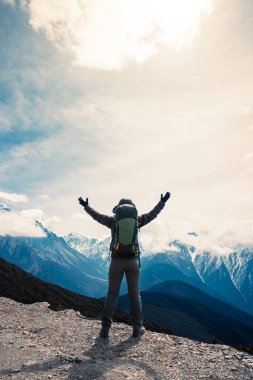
181 289
191 319
23 287
52 260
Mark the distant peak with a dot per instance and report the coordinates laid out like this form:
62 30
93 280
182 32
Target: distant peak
192 233
40 225
5 208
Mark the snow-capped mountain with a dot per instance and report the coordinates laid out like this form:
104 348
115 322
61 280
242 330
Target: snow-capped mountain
98 251
175 263
176 254
240 266
81 264
51 259
216 275
80 242
228 278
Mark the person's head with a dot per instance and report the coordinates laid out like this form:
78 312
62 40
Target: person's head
123 201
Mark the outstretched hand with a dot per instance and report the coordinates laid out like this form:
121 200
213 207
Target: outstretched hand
165 197
82 202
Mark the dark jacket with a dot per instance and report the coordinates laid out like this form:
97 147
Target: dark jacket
109 222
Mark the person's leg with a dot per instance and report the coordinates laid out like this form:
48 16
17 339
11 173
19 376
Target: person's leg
133 284
116 272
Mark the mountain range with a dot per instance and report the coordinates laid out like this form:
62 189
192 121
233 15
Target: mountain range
51 259
173 307
189 312
195 295
80 264
23 287
228 277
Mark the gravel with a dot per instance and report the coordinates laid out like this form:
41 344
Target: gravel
38 343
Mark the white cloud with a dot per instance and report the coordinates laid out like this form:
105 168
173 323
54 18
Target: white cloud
79 215
246 110
217 238
5 118
13 224
13 197
9 2
34 214
38 214
248 156
53 219
44 197
182 122
108 34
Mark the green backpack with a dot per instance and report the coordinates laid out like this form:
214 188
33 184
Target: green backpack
125 240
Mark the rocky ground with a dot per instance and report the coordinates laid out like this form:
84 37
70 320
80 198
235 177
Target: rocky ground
38 343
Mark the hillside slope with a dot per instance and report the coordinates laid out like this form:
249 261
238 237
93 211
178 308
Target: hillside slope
23 287
52 260
228 277
185 290
191 319
37 343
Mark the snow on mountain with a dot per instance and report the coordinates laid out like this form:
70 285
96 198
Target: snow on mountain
13 223
178 255
80 242
4 208
240 266
228 277
216 275
97 251
51 259
174 263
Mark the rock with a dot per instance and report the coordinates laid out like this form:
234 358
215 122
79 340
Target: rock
15 369
69 346
29 363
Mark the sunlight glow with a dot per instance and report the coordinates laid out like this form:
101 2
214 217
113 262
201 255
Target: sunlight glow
108 34
179 20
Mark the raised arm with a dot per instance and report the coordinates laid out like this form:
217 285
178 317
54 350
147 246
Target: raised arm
100 218
147 218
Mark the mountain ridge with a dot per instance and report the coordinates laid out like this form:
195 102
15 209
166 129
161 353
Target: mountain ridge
185 258
55 259
191 319
24 287
185 290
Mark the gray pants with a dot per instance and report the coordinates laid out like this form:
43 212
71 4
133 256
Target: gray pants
116 272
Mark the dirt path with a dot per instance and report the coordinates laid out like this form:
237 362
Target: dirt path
37 343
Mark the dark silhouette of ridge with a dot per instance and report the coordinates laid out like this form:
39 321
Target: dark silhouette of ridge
52 260
182 289
191 319
24 287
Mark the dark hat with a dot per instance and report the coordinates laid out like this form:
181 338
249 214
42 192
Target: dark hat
123 201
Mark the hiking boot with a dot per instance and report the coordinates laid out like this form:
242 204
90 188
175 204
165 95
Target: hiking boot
104 332
138 331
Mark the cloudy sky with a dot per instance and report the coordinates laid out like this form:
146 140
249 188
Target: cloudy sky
129 98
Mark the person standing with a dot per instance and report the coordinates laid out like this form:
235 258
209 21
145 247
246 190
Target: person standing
124 225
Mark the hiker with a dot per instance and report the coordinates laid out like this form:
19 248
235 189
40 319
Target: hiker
125 258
